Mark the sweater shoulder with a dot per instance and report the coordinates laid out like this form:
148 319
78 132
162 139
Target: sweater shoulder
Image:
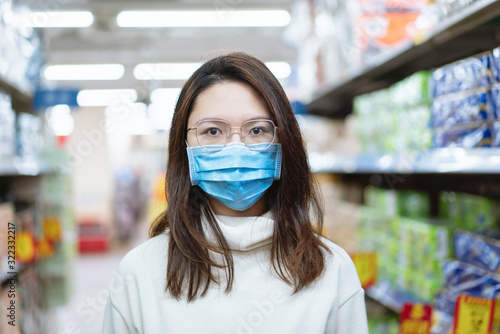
152 252
339 266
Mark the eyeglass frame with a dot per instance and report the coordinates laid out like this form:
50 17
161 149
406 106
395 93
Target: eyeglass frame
230 132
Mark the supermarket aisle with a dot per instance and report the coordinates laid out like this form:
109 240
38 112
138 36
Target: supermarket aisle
92 275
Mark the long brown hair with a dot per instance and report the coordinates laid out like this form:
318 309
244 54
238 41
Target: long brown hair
296 253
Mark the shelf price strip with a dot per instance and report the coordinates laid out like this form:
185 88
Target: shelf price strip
415 319
475 315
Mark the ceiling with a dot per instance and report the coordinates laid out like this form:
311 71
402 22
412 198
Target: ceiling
104 42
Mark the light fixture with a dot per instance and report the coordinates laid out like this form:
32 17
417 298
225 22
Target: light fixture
84 72
60 120
204 18
165 71
165 96
105 97
280 69
56 19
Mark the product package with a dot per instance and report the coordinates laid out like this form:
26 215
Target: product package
481 251
468 136
469 107
29 137
463 75
7 128
462 278
470 212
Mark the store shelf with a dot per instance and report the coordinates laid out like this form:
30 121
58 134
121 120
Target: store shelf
17 167
21 101
386 295
462 34
449 160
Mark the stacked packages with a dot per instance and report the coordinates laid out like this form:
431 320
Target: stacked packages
411 250
462 108
7 128
20 55
396 119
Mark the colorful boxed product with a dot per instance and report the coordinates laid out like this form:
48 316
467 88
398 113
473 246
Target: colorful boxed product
413 204
496 134
470 212
463 278
463 75
477 250
467 107
412 90
495 100
465 136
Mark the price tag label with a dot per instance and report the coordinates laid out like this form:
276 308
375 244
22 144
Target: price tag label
52 229
473 315
25 246
366 266
415 319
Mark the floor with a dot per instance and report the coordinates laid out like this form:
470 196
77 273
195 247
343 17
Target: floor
83 314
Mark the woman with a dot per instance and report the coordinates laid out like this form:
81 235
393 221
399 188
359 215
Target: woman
236 250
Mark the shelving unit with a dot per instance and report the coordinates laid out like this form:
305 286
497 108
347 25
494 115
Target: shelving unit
473 30
21 101
450 161
464 33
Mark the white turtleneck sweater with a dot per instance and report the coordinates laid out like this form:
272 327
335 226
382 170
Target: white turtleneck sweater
259 302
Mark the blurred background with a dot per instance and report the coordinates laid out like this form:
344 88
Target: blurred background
398 101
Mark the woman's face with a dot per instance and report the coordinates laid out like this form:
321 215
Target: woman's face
235 102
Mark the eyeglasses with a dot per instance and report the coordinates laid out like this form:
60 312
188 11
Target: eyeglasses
213 135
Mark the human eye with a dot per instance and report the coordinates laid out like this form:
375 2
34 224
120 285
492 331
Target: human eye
212 132
259 129
211 129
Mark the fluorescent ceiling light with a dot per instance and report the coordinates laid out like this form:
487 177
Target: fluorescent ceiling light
204 18
105 97
165 71
280 69
165 96
46 19
84 72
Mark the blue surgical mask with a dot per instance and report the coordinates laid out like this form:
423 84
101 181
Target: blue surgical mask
236 176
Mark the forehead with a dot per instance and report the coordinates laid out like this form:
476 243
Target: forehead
232 101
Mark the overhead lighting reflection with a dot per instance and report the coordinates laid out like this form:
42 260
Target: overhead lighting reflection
105 97
165 71
280 69
204 18
84 72
55 19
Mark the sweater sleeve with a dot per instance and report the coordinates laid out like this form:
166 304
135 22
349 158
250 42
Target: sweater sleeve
122 300
351 316
114 321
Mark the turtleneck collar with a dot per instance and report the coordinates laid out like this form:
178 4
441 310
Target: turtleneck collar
244 233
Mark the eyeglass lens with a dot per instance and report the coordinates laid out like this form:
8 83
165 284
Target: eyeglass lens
218 132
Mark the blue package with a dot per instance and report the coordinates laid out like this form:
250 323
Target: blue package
496 134
462 278
462 75
495 101
478 250
495 59
462 108
465 136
